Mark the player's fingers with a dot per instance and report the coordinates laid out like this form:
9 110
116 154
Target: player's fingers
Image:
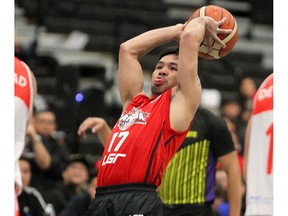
222 21
80 131
219 41
87 123
95 128
224 31
209 42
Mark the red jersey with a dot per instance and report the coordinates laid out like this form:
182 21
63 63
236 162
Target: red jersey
23 94
141 143
259 192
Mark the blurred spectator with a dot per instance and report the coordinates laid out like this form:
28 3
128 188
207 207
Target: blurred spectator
45 175
220 205
247 91
19 50
79 203
231 125
30 199
232 110
40 103
46 125
24 52
75 178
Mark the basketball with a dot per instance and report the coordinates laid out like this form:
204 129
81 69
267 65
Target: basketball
217 13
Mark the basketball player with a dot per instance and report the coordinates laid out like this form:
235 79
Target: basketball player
25 88
188 186
258 153
151 129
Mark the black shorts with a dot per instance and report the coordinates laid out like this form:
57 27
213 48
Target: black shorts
188 210
126 200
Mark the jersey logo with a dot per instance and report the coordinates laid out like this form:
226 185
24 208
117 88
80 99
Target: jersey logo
134 116
112 158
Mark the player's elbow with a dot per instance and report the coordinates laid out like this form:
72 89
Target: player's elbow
124 49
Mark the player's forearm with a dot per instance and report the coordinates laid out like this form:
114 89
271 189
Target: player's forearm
42 156
188 79
145 42
194 31
103 134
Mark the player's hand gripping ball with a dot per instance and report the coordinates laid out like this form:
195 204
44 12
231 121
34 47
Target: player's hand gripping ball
217 13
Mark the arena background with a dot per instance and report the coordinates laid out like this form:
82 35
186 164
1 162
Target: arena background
72 47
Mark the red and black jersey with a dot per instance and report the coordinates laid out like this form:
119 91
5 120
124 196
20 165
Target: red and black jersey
141 143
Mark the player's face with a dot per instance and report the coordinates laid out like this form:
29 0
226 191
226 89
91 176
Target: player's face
165 74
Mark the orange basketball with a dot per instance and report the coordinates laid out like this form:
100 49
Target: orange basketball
217 13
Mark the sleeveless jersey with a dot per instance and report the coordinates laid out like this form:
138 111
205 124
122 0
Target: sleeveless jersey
190 175
23 102
141 143
259 195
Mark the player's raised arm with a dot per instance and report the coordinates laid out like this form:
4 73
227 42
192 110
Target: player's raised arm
130 74
186 96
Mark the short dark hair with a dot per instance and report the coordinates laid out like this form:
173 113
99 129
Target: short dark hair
77 157
169 50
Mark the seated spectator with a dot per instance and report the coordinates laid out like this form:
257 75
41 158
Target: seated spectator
75 178
46 173
78 204
30 199
220 205
247 91
232 110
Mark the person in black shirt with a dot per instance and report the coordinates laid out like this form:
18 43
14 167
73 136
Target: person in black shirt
31 202
188 185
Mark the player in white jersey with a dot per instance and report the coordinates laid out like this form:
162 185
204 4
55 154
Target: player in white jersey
25 88
258 154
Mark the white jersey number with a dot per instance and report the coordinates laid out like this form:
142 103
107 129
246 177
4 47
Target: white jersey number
112 157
